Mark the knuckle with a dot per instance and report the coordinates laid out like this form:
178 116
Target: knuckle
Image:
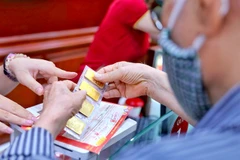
118 65
122 70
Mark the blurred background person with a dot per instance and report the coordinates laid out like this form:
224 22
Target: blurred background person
124 34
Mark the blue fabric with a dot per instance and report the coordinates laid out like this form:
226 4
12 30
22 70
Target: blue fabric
215 137
36 144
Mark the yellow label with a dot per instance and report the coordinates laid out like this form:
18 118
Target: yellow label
91 91
75 125
86 108
89 75
100 141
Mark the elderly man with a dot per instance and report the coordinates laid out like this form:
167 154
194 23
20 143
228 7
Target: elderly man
200 43
201 54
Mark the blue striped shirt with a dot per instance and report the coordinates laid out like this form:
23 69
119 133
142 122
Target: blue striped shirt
215 137
36 144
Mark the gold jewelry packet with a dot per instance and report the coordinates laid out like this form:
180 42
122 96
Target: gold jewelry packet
77 125
91 91
90 76
86 108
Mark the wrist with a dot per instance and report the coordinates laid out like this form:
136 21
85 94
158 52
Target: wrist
49 124
159 87
51 120
151 77
8 65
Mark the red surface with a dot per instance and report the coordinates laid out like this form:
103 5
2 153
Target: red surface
32 16
135 102
180 126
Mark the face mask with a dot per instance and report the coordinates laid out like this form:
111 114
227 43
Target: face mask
183 67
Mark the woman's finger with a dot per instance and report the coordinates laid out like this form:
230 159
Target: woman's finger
54 71
11 118
5 129
25 78
14 108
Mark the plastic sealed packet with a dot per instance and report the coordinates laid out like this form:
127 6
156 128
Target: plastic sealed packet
76 126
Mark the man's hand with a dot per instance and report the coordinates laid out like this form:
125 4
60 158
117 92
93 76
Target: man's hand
125 79
59 105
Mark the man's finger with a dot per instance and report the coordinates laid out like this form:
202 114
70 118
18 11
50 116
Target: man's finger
112 67
28 81
106 69
51 79
5 129
47 89
70 85
79 97
114 93
114 75
111 86
11 118
16 109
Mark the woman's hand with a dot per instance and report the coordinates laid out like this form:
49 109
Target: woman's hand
59 105
11 112
28 70
125 79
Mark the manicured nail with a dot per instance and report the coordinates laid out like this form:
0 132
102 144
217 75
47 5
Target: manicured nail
28 122
39 91
9 130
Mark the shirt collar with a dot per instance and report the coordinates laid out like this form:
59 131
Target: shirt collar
225 114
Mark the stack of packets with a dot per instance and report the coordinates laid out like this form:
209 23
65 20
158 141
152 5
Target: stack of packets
96 121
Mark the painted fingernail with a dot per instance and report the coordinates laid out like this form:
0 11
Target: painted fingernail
9 130
28 122
39 91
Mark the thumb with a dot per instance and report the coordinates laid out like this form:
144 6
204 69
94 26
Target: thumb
114 75
27 80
